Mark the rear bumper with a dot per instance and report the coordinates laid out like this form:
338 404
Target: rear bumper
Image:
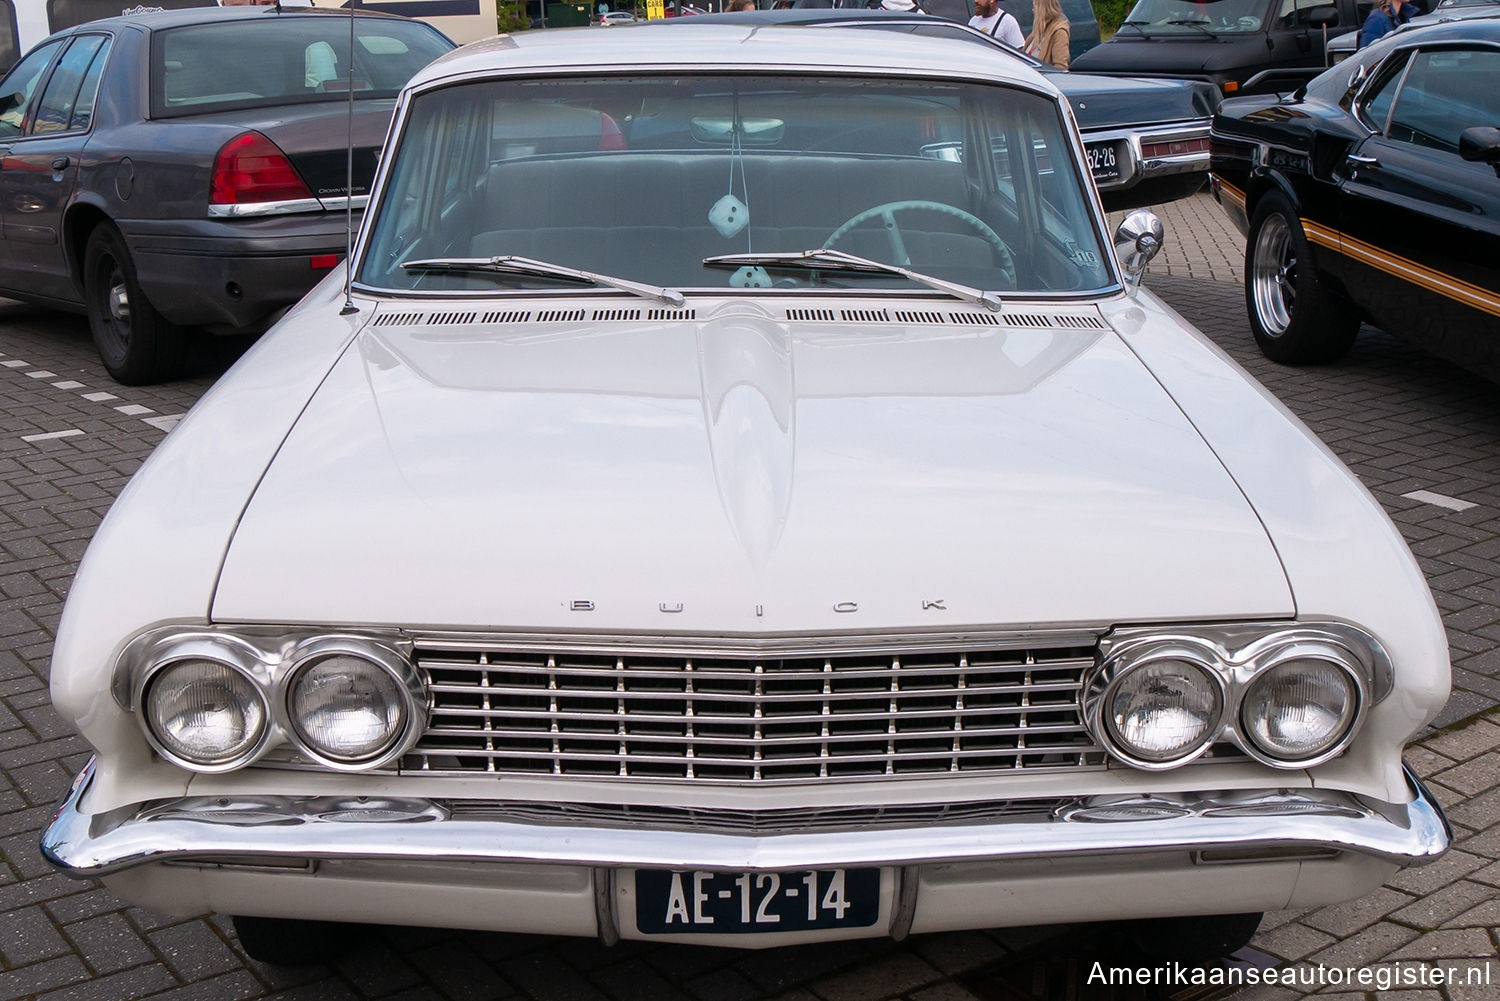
1156 163
232 275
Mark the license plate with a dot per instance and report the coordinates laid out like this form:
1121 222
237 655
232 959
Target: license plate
1104 161
718 902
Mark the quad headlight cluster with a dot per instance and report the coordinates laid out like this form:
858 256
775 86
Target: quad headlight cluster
1290 698
215 702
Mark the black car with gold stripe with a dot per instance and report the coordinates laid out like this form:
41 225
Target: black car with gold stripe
1373 193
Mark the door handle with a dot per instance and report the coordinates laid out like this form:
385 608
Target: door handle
1363 161
60 163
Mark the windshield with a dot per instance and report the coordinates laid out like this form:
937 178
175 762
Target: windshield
284 60
643 178
1217 17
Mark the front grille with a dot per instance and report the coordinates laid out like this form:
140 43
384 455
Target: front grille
733 719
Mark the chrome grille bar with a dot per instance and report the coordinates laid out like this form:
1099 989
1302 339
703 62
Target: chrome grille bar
756 717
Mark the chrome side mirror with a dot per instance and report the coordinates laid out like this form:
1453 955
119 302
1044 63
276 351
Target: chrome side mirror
1138 239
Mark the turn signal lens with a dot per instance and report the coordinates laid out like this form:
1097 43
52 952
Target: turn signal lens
251 168
347 708
1163 710
205 713
1299 709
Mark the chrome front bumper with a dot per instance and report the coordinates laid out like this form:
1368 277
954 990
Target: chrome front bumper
1226 827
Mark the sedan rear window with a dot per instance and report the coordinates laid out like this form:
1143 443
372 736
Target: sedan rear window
284 60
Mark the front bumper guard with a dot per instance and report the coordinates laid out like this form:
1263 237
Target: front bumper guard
1225 827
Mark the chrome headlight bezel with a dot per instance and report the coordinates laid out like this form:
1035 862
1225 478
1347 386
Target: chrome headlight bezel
1114 671
234 656
1285 655
1237 656
270 658
413 707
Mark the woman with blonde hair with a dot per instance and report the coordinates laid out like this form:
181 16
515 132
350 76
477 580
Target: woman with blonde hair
1049 33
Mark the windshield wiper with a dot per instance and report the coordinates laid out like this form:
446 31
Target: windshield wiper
509 264
1136 24
1194 22
837 260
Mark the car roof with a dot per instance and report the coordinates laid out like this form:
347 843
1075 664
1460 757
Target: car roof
158 20
737 47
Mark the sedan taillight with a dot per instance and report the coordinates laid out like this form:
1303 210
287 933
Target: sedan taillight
251 168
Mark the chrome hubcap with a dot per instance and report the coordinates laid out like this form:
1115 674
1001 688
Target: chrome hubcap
119 302
1273 277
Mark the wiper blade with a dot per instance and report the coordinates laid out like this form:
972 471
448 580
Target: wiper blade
1194 22
1136 24
837 260
509 264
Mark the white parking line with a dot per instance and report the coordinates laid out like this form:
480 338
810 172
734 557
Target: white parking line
164 422
1440 500
70 433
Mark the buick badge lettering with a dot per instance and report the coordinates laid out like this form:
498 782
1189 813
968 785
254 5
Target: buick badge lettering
937 604
581 605
670 609
846 606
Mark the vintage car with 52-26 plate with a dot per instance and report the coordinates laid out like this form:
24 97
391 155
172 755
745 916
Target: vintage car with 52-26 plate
830 540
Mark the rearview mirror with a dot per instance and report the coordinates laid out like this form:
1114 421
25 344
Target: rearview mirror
753 131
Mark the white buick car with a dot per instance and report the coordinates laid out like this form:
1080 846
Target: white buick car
744 498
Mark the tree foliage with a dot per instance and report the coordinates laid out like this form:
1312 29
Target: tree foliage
511 16
1110 14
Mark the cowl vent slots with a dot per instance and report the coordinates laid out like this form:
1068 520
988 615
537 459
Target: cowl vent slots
672 314
617 314
507 316
560 316
451 319
397 319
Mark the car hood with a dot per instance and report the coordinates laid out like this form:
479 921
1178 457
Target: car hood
739 471
1102 102
1185 53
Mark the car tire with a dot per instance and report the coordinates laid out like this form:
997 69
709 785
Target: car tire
137 346
291 941
1195 939
1296 320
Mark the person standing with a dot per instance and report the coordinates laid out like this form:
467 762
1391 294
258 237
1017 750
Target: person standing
990 19
1387 16
1050 37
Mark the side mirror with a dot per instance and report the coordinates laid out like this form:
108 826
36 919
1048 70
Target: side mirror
1480 144
1139 238
1321 17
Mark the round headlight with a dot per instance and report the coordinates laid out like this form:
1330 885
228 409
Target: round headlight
347 708
1163 710
1300 708
205 712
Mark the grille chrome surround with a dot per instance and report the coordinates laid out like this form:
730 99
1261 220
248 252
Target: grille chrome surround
752 716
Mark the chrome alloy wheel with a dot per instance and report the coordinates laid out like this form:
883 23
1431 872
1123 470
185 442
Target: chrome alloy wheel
1273 277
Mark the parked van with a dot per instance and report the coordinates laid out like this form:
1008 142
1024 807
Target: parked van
1244 46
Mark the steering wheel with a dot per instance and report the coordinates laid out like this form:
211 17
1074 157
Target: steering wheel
887 214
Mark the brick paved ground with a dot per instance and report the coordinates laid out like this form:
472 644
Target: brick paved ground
1402 420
